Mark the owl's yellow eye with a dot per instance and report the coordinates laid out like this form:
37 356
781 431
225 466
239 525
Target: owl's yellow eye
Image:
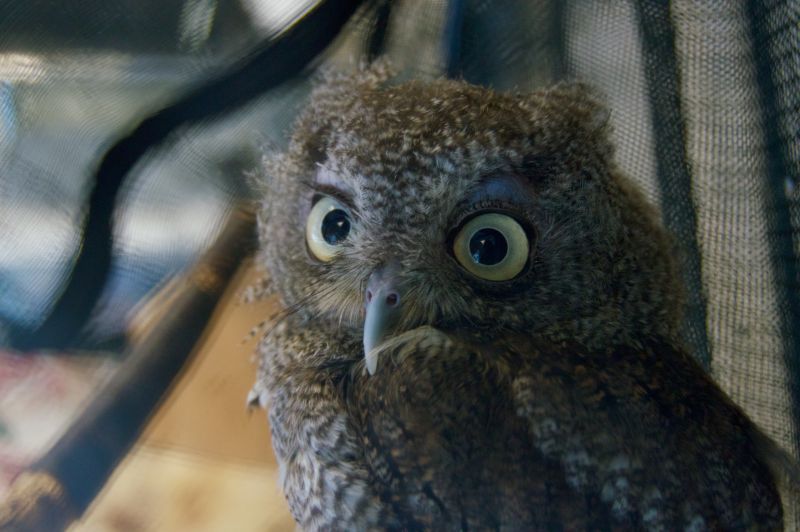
492 246
327 227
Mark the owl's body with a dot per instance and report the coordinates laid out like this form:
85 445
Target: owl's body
481 326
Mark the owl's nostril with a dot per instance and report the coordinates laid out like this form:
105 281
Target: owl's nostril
392 299
383 287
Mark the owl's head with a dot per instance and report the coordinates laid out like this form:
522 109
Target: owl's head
453 206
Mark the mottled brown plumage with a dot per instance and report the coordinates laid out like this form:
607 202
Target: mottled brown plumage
558 398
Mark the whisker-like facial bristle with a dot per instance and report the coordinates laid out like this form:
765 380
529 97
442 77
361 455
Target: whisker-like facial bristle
293 309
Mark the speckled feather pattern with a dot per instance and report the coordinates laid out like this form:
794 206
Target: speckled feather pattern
559 400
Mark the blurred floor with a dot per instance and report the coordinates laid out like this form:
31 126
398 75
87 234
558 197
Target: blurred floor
204 462
40 396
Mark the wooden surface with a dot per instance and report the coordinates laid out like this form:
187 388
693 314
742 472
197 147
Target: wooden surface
205 462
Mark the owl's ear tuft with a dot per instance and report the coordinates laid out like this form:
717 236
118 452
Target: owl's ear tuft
567 116
334 94
582 103
334 84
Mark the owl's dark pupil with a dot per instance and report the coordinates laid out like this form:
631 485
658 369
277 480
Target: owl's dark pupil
488 246
335 226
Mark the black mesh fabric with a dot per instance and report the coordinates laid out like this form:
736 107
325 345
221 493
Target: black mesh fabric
705 101
72 84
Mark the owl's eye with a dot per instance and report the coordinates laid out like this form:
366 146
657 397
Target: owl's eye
327 227
492 246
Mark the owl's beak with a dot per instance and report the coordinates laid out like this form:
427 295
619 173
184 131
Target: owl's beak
382 301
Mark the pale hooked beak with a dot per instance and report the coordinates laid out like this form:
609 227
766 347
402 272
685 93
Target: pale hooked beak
382 301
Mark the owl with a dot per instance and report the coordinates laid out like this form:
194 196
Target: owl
480 324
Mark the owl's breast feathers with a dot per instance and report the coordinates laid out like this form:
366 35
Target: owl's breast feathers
517 435
452 433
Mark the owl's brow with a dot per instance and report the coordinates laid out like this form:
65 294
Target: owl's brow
326 182
504 187
329 190
325 176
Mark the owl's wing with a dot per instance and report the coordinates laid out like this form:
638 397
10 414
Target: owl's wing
649 431
524 436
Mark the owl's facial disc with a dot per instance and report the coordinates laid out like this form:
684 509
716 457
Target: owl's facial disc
382 301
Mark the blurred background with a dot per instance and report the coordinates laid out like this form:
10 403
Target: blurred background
77 77
74 79
705 101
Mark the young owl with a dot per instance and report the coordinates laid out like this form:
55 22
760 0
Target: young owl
481 325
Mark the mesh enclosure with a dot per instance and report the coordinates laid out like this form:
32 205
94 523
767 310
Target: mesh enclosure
72 85
705 101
